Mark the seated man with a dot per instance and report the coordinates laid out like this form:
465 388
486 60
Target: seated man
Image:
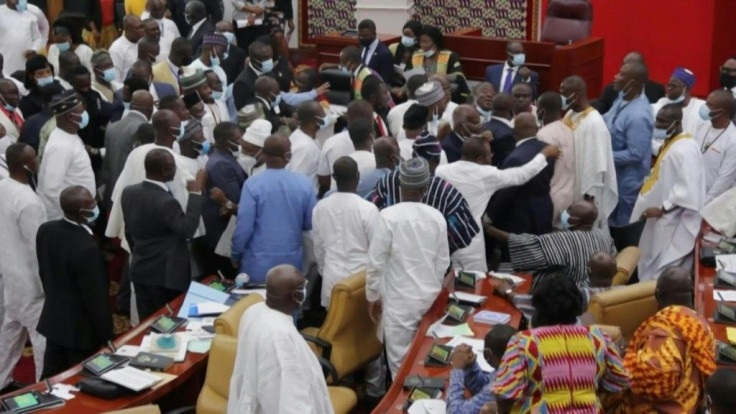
601 267
565 251
466 371
512 71
671 354
721 390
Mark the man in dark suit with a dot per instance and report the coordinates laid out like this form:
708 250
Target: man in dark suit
76 317
374 53
526 208
235 61
260 62
466 123
268 97
653 90
100 111
141 69
501 128
504 76
157 231
122 96
195 14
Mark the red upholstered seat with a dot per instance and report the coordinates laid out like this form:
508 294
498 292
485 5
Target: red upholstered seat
567 20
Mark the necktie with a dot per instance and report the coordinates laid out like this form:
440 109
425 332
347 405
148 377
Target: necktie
365 55
509 80
381 126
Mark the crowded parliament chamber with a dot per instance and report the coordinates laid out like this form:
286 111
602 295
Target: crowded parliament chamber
368 206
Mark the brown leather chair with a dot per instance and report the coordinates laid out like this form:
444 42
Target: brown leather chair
228 322
143 409
567 21
626 262
626 307
216 389
347 340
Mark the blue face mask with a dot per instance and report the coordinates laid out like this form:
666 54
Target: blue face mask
566 101
204 147
303 291
483 113
408 41
230 36
8 107
22 5
565 220
126 105
46 80
84 121
214 61
704 113
677 100
63 47
95 214
277 101
518 59
325 122
661 134
216 95
109 74
428 53
180 134
267 65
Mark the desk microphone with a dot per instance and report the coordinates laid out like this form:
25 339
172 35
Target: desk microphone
111 346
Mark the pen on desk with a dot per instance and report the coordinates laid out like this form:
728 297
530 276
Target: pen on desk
49 388
723 265
219 273
169 309
111 346
718 292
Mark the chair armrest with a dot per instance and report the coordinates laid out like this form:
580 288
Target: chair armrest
328 369
183 410
326 346
628 258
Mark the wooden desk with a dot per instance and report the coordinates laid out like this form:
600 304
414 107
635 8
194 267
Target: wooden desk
413 363
704 277
181 391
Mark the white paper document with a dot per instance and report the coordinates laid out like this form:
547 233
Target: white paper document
515 280
477 345
724 295
428 407
726 262
131 378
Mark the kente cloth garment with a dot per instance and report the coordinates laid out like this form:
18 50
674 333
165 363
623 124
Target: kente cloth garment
559 369
669 358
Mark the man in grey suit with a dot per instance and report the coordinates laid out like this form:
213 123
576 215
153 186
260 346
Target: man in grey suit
120 140
158 230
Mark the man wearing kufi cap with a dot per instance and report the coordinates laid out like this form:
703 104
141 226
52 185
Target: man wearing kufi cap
432 96
65 162
253 140
679 91
214 47
248 114
408 258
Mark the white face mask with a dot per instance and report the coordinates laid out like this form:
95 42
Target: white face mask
247 162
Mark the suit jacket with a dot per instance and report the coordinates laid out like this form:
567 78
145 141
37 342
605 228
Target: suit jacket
196 38
244 87
382 61
526 208
177 15
494 73
164 89
157 231
274 118
653 90
453 147
162 74
282 74
119 140
503 140
76 312
235 63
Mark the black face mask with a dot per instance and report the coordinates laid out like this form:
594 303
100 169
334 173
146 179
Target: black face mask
728 81
365 42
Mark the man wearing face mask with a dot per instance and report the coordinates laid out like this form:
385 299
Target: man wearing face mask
148 49
351 62
483 94
260 63
305 152
215 104
251 156
477 180
376 93
555 132
234 63
214 49
170 69
141 69
727 77
20 37
275 208
10 116
157 230
678 91
21 214
670 199
374 53
68 257
504 76
99 111
432 96
268 97
274 367
467 123
167 27
630 123
653 90
124 50
104 75
65 161
387 158
716 138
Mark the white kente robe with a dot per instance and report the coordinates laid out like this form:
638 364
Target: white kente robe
596 174
691 120
677 183
275 370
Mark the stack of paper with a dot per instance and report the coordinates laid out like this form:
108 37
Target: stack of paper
478 274
477 345
207 309
438 330
514 280
724 295
492 318
468 298
199 293
131 378
726 262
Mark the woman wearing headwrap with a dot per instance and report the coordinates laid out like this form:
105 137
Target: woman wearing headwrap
434 58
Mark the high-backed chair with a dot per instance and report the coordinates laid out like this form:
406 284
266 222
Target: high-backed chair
567 21
228 322
347 340
340 85
626 262
216 389
626 307
143 409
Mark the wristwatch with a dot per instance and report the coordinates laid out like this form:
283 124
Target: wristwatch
508 292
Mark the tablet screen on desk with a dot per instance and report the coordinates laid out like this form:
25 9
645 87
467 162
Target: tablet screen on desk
456 312
439 353
25 400
166 323
467 278
727 311
101 362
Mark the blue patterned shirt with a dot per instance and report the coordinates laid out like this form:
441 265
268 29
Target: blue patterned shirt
478 383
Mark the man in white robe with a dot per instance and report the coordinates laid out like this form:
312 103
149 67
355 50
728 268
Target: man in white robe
65 160
679 91
670 199
275 370
409 255
477 180
596 173
21 214
716 139
19 35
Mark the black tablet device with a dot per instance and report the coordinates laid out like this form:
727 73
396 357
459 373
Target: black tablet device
465 279
727 311
101 363
167 324
439 355
457 313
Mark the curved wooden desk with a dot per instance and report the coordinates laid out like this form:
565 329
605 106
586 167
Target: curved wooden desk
704 277
413 363
181 391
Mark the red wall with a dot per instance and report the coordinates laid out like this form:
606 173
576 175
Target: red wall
696 34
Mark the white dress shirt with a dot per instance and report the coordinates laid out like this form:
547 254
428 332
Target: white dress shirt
65 163
342 228
505 73
304 154
123 53
718 149
18 33
371 50
169 32
335 147
365 159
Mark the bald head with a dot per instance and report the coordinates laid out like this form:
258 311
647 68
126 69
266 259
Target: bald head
359 109
73 199
265 85
166 123
277 151
675 287
159 164
442 79
525 126
465 114
603 268
283 288
669 113
721 104
634 57
142 101
386 152
503 105
573 84
477 150
583 215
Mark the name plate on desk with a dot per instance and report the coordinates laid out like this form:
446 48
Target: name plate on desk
725 314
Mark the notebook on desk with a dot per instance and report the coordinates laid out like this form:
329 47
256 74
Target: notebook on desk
131 378
199 293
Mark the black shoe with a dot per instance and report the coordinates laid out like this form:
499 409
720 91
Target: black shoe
13 386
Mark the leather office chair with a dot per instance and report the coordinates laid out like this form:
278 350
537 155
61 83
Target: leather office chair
216 389
626 262
567 21
347 340
626 307
228 322
340 86
143 409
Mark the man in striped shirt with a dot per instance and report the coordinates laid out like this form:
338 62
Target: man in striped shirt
461 226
